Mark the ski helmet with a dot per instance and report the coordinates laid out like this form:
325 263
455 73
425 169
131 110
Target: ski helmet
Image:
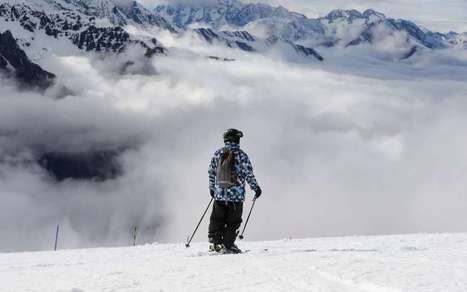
232 135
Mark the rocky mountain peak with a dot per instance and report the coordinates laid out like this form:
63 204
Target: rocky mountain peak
15 63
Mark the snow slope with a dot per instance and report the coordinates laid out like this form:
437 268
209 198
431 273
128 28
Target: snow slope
424 262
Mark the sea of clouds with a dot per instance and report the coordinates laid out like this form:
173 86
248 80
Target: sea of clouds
359 144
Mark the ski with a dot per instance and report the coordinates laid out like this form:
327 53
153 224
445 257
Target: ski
213 253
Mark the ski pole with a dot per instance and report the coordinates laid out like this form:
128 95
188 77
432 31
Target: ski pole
199 223
248 218
56 237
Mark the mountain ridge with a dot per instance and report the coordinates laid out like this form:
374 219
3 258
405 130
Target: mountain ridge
15 63
85 31
292 26
101 26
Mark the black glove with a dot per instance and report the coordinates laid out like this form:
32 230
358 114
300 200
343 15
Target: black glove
212 193
258 193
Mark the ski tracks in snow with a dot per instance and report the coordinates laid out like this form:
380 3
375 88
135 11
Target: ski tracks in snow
382 264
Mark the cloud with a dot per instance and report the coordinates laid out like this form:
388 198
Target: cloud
354 145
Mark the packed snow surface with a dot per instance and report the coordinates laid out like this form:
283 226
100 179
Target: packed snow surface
425 262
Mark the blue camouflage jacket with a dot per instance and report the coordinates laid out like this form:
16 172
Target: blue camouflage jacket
243 169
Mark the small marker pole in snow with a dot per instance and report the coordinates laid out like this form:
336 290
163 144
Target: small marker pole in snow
56 237
199 223
247 219
135 232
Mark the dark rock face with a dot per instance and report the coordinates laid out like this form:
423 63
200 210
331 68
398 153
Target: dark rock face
114 40
307 52
52 24
241 35
207 34
24 71
108 39
3 63
95 165
244 47
409 54
230 39
215 58
158 50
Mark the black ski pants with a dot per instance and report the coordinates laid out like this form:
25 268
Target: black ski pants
226 218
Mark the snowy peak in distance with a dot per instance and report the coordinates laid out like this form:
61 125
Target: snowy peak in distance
120 12
224 13
117 12
47 27
100 26
338 28
353 14
372 25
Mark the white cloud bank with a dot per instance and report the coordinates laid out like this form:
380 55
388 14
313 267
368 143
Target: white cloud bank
350 146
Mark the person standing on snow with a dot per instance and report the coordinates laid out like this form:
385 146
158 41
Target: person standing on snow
229 169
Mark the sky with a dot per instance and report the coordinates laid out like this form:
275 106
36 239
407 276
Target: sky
359 144
437 15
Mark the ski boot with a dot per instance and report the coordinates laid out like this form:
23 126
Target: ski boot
232 250
216 247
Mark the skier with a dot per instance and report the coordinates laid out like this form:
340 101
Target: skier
229 169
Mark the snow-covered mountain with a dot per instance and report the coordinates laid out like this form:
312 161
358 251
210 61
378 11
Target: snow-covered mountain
90 28
371 25
15 63
339 27
119 12
65 27
232 13
424 262
245 41
459 40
